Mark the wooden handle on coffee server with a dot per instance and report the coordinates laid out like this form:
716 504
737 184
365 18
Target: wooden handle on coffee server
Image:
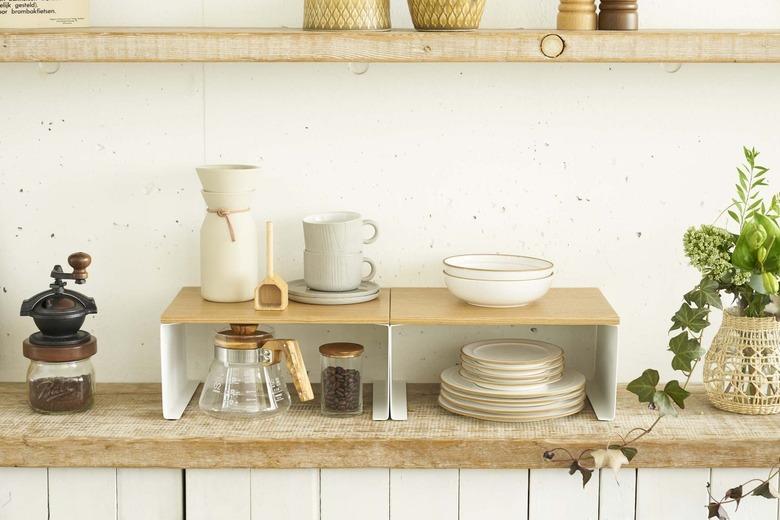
294 360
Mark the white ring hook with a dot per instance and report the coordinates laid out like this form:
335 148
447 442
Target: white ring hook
49 67
358 68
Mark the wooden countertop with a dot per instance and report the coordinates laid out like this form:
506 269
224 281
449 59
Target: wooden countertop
126 429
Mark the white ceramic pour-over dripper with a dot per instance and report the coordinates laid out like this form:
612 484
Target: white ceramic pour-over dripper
228 178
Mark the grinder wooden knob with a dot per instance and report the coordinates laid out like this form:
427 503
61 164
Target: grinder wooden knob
79 262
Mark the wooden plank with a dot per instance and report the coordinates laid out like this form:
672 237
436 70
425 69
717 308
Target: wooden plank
23 493
617 494
561 306
431 494
126 430
149 493
285 494
82 493
355 494
181 44
656 487
753 508
218 493
493 493
553 493
189 307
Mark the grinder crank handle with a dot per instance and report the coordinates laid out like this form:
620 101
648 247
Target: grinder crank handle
294 360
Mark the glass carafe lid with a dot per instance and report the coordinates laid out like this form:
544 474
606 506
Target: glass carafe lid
245 379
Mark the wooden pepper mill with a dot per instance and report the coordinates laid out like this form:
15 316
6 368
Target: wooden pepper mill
577 15
618 15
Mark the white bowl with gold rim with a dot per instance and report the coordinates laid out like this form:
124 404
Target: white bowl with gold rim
497 293
498 267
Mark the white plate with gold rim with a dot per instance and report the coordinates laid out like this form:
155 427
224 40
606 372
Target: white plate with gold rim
510 408
511 376
498 401
502 384
518 353
541 416
571 381
508 369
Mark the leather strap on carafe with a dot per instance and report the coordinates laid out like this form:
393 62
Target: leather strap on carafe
225 213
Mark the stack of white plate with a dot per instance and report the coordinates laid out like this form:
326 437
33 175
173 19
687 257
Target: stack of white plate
512 381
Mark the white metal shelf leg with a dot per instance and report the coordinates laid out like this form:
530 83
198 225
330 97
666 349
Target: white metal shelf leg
177 390
602 390
381 391
397 388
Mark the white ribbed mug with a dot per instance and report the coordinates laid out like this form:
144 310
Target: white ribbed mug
335 272
337 231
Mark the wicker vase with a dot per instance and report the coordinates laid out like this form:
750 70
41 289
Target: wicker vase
742 367
346 15
446 15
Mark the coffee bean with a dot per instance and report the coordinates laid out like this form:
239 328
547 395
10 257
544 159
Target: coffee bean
341 389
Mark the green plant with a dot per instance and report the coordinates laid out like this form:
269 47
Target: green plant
743 266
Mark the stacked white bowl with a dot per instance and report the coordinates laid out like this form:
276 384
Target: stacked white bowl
498 280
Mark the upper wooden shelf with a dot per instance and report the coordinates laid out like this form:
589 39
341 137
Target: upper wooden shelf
561 306
182 44
189 307
125 429
399 306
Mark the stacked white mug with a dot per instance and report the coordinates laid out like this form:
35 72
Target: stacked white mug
333 260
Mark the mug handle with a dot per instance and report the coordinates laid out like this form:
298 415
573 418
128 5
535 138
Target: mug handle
370 275
372 239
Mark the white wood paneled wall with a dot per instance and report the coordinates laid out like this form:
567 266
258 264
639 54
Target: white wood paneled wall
369 494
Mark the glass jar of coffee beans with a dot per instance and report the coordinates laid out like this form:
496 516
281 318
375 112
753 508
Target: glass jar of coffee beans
342 389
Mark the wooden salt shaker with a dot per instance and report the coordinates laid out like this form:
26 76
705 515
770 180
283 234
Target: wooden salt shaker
577 15
618 15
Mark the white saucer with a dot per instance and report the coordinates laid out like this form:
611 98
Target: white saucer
481 407
530 417
298 288
516 352
570 382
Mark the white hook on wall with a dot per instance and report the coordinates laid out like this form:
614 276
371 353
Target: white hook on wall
49 67
358 68
671 68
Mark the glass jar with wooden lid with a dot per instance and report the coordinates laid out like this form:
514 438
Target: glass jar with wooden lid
342 389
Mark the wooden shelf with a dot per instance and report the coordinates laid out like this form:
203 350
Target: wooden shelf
125 430
189 307
561 306
183 44
410 306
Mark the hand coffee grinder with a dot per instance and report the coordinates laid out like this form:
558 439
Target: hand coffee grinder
61 378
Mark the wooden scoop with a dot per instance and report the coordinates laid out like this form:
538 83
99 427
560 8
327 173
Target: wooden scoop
271 294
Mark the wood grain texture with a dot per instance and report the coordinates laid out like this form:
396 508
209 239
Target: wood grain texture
656 487
430 494
23 493
82 493
493 493
355 494
285 494
222 493
127 430
561 306
149 493
189 307
617 494
182 44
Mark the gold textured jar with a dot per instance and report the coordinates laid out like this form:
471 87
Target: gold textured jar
742 367
446 15
346 15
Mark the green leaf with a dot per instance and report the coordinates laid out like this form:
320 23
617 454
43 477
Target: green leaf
734 216
689 318
628 451
585 472
676 393
663 403
644 386
766 491
706 293
686 350
716 510
734 494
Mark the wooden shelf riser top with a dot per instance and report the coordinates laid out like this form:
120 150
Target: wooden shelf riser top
125 429
293 45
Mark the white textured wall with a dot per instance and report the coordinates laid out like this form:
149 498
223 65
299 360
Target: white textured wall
598 167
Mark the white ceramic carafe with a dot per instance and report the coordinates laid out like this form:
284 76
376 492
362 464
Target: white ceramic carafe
228 248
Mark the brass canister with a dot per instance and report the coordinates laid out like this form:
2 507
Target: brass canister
346 15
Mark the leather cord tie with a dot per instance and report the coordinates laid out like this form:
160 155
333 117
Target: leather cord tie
225 213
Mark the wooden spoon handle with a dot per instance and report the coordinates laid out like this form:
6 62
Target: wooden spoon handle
294 360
